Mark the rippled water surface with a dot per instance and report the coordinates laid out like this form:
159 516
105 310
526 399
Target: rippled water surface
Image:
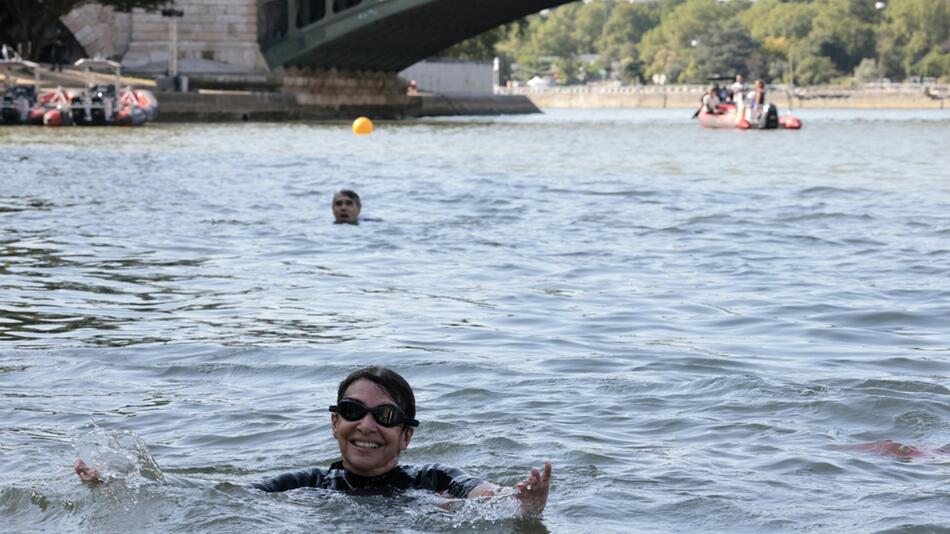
702 330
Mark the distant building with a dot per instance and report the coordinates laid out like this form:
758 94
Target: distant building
452 77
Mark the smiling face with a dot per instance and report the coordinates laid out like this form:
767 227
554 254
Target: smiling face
368 448
345 209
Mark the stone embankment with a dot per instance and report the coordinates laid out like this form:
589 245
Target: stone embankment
302 95
895 96
312 94
236 106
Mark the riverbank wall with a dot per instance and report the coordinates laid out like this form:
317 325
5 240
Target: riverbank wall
223 106
890 96
299 95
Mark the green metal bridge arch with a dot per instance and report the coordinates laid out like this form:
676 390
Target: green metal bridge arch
380 35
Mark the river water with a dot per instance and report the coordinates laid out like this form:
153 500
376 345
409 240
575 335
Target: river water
702 330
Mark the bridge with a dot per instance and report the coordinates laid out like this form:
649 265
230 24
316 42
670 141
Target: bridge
378 35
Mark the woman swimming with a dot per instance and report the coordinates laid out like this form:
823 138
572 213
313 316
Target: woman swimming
373 421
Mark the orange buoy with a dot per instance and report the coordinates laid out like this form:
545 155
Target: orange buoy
362 126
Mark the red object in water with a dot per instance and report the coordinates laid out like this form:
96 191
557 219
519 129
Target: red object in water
886 447
790 123
727 116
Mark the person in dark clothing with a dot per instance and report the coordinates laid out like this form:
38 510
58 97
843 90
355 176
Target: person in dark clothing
57 52
432 477
373 421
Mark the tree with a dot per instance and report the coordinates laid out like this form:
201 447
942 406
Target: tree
588 25
546 39
841 35
725 50
781 28
773 18
688 40
866 71
814 70
32 19
915 37
619 39
482 46
668 48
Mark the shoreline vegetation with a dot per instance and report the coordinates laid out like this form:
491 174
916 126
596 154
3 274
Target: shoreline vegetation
801 42
871 96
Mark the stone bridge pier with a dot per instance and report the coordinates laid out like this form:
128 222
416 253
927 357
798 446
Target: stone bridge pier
218 47
337 88
327 56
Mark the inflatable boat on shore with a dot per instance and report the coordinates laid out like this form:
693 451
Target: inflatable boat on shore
110 104
17 100
728 116
96 104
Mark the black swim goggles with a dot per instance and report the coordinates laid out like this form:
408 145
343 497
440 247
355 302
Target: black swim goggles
387 415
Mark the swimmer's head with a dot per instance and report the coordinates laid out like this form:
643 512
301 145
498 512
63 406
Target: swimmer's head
371 432
346 206
390 381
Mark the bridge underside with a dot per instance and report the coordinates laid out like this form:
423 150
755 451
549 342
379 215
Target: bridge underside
392 35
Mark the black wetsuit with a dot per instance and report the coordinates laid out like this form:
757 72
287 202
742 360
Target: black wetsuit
433 477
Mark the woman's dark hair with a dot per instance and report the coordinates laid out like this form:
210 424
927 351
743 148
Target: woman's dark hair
391 382
351 194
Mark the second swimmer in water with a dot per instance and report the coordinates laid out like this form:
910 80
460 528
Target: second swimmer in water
346 207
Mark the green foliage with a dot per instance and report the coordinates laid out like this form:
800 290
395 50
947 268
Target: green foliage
623 30
935 64
668 48
840 35
688 40
774 19
724 50
814 70
915 37
481 47
866 71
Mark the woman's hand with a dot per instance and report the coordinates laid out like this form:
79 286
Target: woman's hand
87 474
533 491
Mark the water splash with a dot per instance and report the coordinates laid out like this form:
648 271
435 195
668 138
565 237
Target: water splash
502 506
118 455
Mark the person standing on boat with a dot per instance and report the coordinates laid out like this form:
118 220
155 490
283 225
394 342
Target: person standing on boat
738 96
758 99
737 89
